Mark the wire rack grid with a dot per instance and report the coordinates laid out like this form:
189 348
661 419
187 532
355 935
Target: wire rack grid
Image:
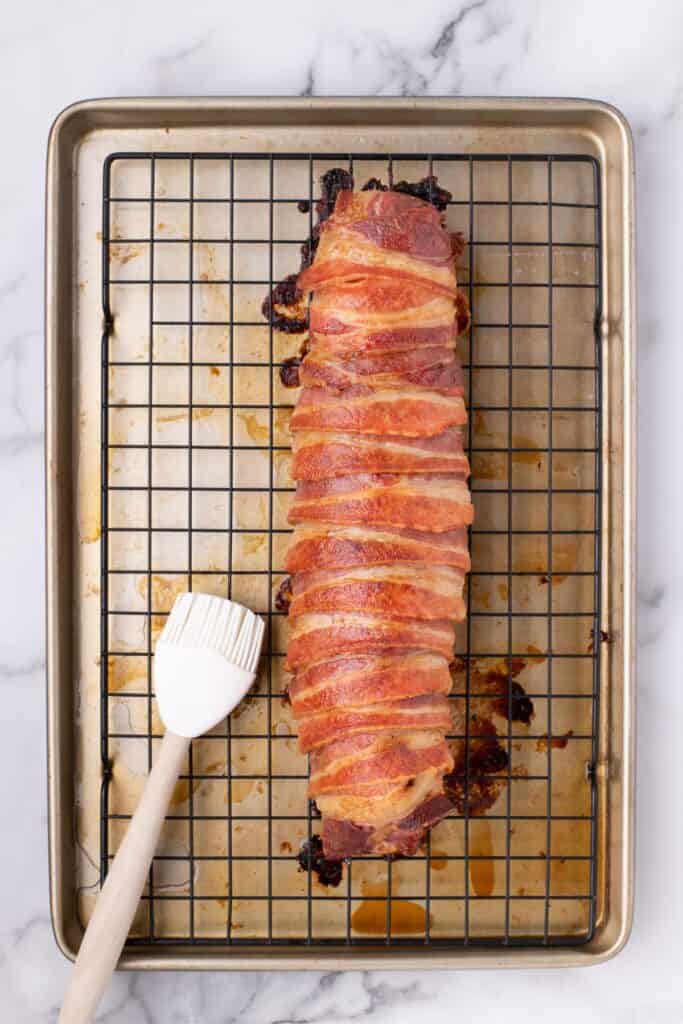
195 488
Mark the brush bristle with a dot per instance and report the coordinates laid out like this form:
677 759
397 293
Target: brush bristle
200 620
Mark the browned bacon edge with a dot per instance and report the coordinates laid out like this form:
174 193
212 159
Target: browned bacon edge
344 839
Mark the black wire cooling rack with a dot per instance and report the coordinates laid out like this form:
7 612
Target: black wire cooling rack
533 259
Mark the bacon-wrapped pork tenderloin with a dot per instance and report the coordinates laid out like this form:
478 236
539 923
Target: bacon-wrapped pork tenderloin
379 553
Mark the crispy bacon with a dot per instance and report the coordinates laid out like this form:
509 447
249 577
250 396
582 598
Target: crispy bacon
336 547
423 712
429 503
436 369
376 761
379 553
412 412
367 679
318 455
416 592
316 637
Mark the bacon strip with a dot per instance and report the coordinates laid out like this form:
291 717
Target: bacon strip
314 638
363 410
367 679
318 455
434 368
423 712
387 233
336 547
379 552
416 592
431 504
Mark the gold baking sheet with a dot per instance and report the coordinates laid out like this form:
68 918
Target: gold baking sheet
223 899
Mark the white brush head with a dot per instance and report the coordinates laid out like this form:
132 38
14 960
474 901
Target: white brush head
205 661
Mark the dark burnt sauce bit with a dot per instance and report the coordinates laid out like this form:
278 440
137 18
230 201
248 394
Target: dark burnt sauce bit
289 372
519 707
509 699
427 189
283 598
374 185
331 184
289 368
311 858
462 313
472 786
512 702
286 307
488 758
476 791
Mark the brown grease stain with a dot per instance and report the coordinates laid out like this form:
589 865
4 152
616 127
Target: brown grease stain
479 596
528 459
502 589
519 441
482 871
494 465
554 581
256 431
370 916
489 465
241 789
537 656
164 593
281 425
214 371
556 743
89 498
535 558
174 417
253 544
122 671
438 860
123 254
181 791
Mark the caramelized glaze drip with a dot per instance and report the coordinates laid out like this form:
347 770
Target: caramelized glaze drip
283 598
427 189
285 307
472 786
371 917
311 858
482 867
289 372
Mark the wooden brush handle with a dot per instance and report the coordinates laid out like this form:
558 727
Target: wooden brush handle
120 896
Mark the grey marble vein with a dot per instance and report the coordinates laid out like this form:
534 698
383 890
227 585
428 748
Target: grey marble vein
443 44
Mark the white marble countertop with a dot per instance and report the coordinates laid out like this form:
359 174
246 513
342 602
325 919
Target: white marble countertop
615 50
